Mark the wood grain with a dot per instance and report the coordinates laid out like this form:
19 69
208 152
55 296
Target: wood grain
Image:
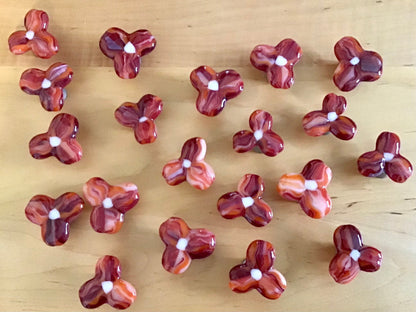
35 277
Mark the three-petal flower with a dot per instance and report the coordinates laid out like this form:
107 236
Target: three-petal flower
320 122
262 136
355 64
107 286
277 62
246 202
184 244
352 256
190 166
215 89
54 215
35 37
110 203
386 159
48 85
141 117
309 188
257 272
127 49
59 141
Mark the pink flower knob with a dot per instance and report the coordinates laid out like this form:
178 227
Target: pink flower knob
215 89
59 141
246 202
329 119
352 256
184 244
309 188
110 203
190 166
261 136
48 85
127 49
355 64
277 62
257 272
35 37
54 215
386 159
107 286
141 117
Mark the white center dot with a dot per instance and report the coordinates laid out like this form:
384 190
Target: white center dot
258 134
181 244
354 61
247 202
54 141
332 116
213 85
46 84
129 48
54 214
107 203
256 274
311 185
281 61
29 34
186 163
107 286
355 254
143 119
388 157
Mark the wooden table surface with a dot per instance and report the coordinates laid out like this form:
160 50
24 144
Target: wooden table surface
35 277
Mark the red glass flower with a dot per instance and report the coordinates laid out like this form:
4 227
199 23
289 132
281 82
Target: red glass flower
246 202
309 188
355 64
352 256
190 166
215 89
60 141
127 49
262 136
386 159
184 244
277 62
35 37
141 117
257 272
109 203
48 85
54 215
107 286
328 119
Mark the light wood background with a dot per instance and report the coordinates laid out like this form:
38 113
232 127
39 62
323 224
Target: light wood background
35 277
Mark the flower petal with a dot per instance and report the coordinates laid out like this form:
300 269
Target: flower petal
241 280
371 164
52 99
174 173
316 123
280 76
334 103
143 41
290 50
260 120
39 146
346 76
122 295
347 237
60 74
370 259
201 243
201 76
200 175
124 196
37 210
291 186
150 106
106 220
145 132
43 44
272 284
91 294
263 56
55 232
316 204
230 206
69 205
112 42
95 191
18 42
127 65
64 126
243 141
31 80
127 114
318 171
343 268
230 84
210 103
175 261
172 230
194 149
343 128
251 185
259 214
68 152
347 48
108 269
270 144
388 142
399 169
36 20
260 255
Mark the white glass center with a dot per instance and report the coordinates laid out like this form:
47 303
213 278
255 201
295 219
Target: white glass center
332 116
213 85
129 48
186 163
143 119
54 214
54 141
46 84
107 203
107 286
354 61
256 274
30 34
281 61
258 134
388 157
247 202
311 185
182 243
355 254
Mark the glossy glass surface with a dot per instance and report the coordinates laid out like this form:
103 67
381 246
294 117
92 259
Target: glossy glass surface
309 188
246 202
257 272
110 203
107 286
184 244
59 141
35 37
215 89
355 64
386 159
54 215
352 256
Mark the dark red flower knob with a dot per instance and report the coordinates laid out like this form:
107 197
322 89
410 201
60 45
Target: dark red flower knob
328 119
48 85
54 215
215 89
246 202
355 64
110 203
309 188
386 159
352 256
127 49
141 117
35 37
261 136
107 286
277 62
59 141
190 166
257 272
184 244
